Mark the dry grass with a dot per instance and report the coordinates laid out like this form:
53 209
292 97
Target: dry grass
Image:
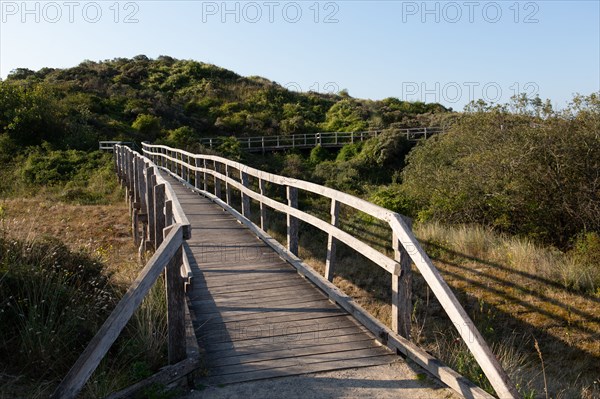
104 232
514 291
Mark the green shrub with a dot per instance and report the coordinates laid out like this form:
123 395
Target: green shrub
231 148
393 198
517 172
349 151
318 154
75 176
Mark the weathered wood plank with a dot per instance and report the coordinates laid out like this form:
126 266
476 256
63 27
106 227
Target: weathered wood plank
300 369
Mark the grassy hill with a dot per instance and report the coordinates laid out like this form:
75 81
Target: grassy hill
144 99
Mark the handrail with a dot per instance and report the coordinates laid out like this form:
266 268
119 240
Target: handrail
186 166
324 139
165 226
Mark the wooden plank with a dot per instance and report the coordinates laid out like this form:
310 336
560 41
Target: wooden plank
261 344
288 331
300 369
301 361
265 350
286 353
112 327
299 305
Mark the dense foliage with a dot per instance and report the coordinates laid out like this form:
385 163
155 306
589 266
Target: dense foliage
144 99
533 172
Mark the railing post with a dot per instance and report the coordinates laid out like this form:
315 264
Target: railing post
227 188
263 208
196 175
332 241
159 215
168 213
245 197
175 307
217 181
150 183
292 222
402 288
204 181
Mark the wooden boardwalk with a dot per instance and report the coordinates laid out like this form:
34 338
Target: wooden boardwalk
254 316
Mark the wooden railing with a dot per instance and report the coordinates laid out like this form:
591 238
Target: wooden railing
158 222
110 145
310 140
201 172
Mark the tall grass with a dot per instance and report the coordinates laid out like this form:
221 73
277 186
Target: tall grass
577 269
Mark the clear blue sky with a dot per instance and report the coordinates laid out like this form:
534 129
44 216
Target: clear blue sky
448 52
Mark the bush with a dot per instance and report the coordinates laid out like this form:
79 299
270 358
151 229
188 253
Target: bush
517 172
75 176
394 199
318 154
349 151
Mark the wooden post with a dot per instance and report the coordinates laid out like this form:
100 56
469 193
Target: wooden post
245 198
151 182
227 188
331 241
204 181
176 308
402 289
196 175
263 208
217 181
168 213
292 222
159 216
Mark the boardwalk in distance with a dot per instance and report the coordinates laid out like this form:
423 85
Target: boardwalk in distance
254 315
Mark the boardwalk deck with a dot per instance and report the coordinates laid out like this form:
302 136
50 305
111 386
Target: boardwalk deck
254 315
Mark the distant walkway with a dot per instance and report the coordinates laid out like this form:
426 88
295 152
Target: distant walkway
311 140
